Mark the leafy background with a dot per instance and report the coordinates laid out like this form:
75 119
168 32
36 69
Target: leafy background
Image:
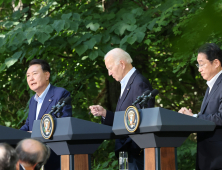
162 36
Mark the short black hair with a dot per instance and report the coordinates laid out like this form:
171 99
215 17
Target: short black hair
33 158
45 66
212 51
10 158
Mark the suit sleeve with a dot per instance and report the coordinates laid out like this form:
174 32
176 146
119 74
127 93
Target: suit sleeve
109 118
142 87
67 109
136 90
215 117
25 127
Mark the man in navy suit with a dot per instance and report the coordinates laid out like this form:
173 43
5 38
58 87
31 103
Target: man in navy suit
209 144
46 96
133 84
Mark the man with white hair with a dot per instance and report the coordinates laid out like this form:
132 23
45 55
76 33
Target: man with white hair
133 84
8 157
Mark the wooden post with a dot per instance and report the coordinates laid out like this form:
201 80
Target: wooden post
65 162
167 159
81 162
149 159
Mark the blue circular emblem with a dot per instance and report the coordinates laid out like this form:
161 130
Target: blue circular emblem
47 126
131 119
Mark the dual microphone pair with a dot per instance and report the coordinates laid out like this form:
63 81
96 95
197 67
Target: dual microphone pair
64 101
145 97
58 108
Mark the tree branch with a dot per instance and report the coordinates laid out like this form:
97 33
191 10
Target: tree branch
55 9
61 56
140 4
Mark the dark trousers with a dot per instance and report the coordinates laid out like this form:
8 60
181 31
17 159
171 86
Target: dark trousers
136 163
53 162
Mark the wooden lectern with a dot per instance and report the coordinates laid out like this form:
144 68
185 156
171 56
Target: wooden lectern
75 139
159 132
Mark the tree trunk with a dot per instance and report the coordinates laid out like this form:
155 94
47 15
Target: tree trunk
112 94
108 3
18 7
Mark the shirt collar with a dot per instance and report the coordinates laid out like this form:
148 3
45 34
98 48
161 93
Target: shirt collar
213 80
125 80
42 96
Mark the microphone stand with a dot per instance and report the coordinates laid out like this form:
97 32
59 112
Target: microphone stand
143 103
59 110
59 115
60 107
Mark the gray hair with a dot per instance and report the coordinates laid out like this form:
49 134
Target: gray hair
119 54
8 157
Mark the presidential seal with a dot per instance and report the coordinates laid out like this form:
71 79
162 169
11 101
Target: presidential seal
131 119
47 126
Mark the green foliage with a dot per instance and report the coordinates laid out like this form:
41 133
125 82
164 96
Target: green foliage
73 36
186 155
103 158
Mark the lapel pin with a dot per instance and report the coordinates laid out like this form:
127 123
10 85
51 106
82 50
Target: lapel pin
49 100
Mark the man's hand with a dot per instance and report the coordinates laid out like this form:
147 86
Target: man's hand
98 110
185 111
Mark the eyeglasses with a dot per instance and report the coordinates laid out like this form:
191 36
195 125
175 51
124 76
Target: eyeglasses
199 66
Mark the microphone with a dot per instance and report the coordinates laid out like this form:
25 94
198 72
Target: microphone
151 95
53 109
139 98
66 101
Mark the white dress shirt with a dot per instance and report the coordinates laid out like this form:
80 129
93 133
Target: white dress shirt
213 80
125 80
40 100
211 84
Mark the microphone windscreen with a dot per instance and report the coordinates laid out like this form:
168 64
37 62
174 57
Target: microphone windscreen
67 100
146 92
154 92
61 100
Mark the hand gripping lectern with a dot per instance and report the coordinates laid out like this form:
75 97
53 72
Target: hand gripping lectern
12 136
74 139
159 132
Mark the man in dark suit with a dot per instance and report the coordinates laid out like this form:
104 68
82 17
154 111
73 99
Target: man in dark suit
46 96
209 144
133 84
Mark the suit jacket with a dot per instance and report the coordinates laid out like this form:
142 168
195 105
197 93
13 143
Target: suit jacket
209 144
51 99
20 167
135 87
